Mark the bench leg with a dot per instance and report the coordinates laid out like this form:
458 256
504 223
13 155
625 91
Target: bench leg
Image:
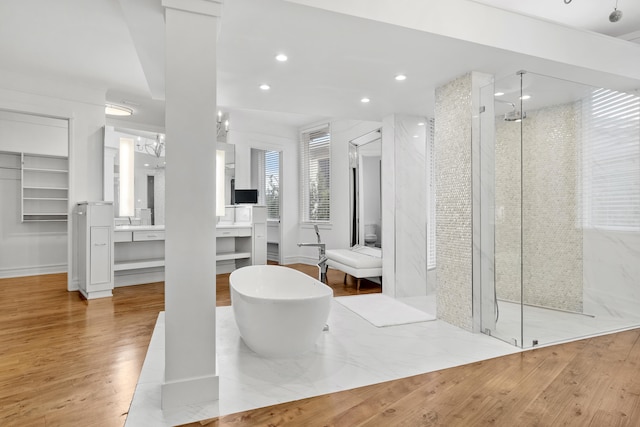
358 284
345 279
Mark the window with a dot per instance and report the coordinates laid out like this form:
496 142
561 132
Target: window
265 176
315 171
611 160
272 183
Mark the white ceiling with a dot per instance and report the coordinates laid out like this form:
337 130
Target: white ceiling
334 60
590 15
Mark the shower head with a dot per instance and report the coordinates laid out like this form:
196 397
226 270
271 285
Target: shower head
615 16
513 115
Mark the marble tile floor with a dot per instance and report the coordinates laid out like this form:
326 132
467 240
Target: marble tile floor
353 353
549 326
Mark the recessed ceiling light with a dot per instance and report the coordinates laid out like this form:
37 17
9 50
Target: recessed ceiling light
265 86
416 136
401 77
498 94
117 110
281 57
146 165
421 124
365 100
525 97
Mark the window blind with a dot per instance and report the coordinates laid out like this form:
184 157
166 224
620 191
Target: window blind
315 174
431 197
611 160
272 183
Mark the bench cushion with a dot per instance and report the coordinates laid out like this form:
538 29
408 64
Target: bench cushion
355 258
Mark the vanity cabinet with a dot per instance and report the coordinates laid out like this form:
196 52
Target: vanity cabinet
95 249
241 240
241 237
139 254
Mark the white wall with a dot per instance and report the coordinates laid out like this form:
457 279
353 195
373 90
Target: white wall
28 248
85 109
336 234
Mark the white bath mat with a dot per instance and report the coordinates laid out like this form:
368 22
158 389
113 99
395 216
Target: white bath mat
381 310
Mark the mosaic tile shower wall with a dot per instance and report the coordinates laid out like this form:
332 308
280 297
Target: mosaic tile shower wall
454 202
551 235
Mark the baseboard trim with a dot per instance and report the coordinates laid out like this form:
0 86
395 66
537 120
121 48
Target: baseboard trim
191 391
130 279
6 273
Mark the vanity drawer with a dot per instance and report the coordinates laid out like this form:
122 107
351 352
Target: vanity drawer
244 232
141 236
226 232
233 232
122 236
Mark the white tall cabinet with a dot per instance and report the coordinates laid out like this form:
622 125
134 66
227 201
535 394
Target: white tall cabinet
95 249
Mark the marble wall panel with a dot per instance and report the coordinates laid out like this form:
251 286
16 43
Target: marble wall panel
453 111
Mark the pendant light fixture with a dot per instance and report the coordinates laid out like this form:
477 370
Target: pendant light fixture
616 15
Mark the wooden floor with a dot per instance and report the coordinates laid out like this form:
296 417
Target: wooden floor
68 362
65 361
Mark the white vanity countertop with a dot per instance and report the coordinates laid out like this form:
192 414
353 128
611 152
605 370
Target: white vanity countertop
139 228
161 227
233 225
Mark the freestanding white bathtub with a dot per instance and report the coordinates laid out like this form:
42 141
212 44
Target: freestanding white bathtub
280 312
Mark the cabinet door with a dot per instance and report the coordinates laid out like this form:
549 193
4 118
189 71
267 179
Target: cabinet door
100 258
259 244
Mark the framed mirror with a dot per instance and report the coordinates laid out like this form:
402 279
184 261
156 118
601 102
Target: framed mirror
134 174
365 167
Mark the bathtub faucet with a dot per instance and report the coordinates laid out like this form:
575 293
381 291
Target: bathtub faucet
320 247
322 259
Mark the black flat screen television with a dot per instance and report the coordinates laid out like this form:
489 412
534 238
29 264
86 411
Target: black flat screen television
245 196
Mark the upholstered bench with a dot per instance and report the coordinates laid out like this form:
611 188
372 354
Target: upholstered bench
359 262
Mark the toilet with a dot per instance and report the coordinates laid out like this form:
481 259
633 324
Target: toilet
370 236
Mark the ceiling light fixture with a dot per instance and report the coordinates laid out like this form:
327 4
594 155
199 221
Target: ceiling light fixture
281 57
365 100
117 110
401 77
525 97
498 94
421 124
616 15
265 86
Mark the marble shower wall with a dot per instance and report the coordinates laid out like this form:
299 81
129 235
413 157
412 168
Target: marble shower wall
411 206
404 204
550 231
453 149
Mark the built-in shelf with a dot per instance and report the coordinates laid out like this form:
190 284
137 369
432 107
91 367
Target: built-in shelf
226 256
46 170
134 265
45 188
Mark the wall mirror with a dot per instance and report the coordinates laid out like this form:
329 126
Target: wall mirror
137 189
365 165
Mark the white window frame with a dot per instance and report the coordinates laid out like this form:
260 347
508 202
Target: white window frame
320 138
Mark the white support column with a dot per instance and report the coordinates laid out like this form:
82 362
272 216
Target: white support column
190 247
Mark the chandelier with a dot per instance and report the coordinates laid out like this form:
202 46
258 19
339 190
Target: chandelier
155 148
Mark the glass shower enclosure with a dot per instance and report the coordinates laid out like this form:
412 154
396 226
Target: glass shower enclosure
560 209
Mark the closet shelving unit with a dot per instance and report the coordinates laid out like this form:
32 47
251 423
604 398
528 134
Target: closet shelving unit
45 188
